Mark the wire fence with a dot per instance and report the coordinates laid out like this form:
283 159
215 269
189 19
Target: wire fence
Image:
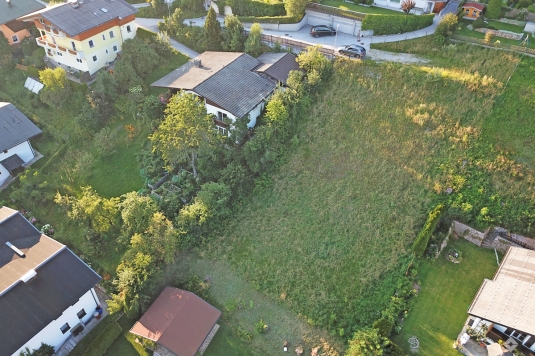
495 45
294 45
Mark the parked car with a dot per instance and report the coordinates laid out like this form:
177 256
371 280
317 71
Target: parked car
352 51
322 30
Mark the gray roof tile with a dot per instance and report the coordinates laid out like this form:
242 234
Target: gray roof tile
15 128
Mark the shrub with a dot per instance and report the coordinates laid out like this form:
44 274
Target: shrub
391 24
383 326
488 37
255 8
420 244
493 9
478 23
261 327
104 340
445 28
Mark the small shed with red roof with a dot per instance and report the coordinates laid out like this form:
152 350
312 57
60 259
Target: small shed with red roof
472 10
179 321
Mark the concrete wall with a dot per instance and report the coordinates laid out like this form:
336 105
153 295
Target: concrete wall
468 233
52 334
344 25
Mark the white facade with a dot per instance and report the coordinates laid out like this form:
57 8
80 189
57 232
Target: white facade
52 334
24 150
426 5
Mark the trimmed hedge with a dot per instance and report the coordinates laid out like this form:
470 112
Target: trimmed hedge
269 19
420 244
392 24
256 8
104 340
145 34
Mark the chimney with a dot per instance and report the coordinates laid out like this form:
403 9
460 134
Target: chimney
8 3
197 63
75 4
15 249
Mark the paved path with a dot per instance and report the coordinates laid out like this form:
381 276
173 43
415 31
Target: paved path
152 25
143 4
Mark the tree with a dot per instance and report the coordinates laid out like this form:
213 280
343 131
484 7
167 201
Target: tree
159 240
6 62
407 6
159 6
152 110
315 64
277 114
367 342
212 32
383 326
233 34
295 8
55 92
126 76
43 350
105 85
140 55
136 212
445 28
187 132
90 208
253 45
493 9
192 5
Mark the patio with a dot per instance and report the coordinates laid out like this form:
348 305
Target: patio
71 342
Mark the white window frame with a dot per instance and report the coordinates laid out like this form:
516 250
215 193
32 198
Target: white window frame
112 35
115 49
15 38
95 58
91 43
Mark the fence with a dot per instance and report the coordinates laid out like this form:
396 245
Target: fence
291 44
330 10
495 45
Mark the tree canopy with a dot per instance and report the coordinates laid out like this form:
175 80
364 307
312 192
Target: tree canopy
253 45
233 34
212 32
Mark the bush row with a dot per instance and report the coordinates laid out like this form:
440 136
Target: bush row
420 244
256 8
392 24
269 19
102 342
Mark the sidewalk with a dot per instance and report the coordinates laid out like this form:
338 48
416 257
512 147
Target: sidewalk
152 25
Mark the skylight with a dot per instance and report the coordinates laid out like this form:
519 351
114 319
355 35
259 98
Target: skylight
104 10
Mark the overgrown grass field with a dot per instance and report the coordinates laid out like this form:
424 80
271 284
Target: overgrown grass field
331 236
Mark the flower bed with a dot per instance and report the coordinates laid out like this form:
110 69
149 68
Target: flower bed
504 34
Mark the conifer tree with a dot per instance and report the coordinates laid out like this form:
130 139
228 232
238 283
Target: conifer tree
212 32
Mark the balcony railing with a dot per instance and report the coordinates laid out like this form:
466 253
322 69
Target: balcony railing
41 41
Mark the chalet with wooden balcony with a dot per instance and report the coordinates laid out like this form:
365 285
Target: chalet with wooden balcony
85 35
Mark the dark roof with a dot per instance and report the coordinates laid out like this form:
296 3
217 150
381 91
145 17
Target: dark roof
178 320
62 278
15 25
225 78
28 307
75 20
17 9
277 65
12 162
15 128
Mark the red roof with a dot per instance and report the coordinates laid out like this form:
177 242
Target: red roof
178 320
475 5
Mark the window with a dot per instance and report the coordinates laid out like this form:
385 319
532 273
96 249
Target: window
104 37
128 29
91 44
111 34
94 58
78 60
107 52
15 38
221 130
41 21
81 314
73 46
114 48
65 328
221 116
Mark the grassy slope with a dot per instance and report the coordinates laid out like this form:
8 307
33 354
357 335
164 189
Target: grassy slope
225 342
359 8
125 344
447 291
334 231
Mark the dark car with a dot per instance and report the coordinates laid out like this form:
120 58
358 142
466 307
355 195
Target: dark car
322 30
352 51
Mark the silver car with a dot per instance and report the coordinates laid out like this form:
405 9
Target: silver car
352 50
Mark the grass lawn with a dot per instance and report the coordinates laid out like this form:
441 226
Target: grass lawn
500 25
176 61
125 344
447 291
341 4
225 342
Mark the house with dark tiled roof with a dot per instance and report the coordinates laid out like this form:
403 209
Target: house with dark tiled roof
46 291
16 130
233 85
84 35
15 31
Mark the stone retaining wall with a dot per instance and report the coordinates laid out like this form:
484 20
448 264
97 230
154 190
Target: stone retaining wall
468 233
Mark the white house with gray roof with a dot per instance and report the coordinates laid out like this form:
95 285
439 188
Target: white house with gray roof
233 85
16 130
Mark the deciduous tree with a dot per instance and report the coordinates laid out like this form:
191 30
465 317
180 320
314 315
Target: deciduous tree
136 212
493 9
445 28
407 6
295 8
186 133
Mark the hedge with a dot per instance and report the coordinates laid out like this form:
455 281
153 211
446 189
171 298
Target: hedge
104 340
145 34
420 244
269 19
392 24
256 8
